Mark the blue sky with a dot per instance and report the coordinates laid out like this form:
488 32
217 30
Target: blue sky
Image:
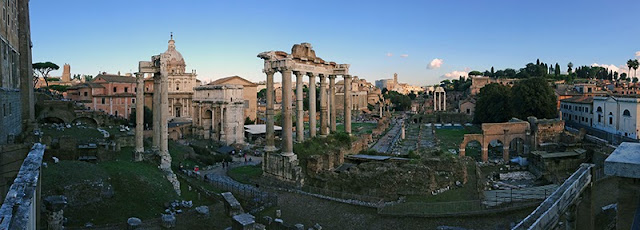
378 38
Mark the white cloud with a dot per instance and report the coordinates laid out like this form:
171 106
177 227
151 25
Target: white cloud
456 74
614 68
404 55
435 63
389 54
637 53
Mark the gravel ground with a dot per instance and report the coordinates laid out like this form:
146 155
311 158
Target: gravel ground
333 215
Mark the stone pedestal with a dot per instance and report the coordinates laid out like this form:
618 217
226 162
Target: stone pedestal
243 221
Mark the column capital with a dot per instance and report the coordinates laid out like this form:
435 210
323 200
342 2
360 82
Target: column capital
269 71
299 73
311 74
331 76
346 76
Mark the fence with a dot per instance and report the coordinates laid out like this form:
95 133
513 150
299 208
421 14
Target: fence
501 201
344 195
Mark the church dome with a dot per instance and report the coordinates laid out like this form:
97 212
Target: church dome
173 59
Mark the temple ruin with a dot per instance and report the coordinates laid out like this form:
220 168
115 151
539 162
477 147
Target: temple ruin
302 62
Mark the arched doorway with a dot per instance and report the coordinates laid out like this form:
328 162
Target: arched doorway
473 149
516 147
177 110
495 149
206 123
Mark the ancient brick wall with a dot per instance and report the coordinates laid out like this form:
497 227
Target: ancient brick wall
549 131
10 115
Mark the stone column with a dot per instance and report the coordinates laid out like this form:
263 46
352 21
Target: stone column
323 106
270 146
312 105
222 133
157 90
347 104
165 158
299 107
444 101
139 116
332 101
287 126
25 81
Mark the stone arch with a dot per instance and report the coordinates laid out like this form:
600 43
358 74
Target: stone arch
500 143
86 121
175 134
468 138
207 122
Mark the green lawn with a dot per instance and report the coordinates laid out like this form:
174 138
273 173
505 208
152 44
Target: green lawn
358 128
246 174
140 189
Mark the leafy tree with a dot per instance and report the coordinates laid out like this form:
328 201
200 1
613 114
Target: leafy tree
59 88
570 67
509 73
623 76
475 73
44 68
630 65
635 80
533 97
148 117
635 67
493 73
493 104
412 96
384 90
248 121
88 77
557 70
399 101
262 94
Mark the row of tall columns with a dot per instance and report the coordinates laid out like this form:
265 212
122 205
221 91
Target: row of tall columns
439 101
327 108
139 116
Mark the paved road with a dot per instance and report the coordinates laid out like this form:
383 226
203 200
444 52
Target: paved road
386 142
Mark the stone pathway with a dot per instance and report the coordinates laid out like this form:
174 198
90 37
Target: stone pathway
386 142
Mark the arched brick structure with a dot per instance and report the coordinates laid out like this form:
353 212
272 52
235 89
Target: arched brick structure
503 132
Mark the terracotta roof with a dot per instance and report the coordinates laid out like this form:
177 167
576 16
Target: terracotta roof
580 100
223 81
86 85
116 78
115 95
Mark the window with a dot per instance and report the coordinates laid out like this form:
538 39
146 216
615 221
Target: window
611 120
126 89
116 113
626 113
599 118
133 100
115 89
86 94
586 110
246 104
103 101
599 109
468 111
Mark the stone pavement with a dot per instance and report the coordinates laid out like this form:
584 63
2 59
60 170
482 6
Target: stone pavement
498 197
386 142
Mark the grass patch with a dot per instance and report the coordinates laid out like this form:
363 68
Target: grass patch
359 128
246 174
320 145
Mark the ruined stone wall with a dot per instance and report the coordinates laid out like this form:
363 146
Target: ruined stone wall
10 115
549 131
282 168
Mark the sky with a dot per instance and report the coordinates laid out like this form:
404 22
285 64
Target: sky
423 41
